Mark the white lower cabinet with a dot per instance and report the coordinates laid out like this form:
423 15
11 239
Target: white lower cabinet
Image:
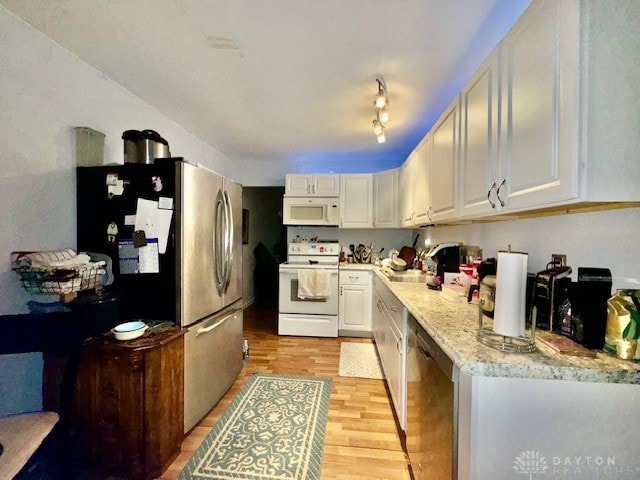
390 334
354 304
534 428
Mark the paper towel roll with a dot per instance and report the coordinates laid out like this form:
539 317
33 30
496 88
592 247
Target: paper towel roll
511 292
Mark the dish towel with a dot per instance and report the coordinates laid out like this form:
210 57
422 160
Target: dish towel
314 284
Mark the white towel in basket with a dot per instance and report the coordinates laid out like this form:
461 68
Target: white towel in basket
314 283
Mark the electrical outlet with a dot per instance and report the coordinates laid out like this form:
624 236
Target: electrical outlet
560 258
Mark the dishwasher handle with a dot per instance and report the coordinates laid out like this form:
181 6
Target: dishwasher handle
208 328
430 349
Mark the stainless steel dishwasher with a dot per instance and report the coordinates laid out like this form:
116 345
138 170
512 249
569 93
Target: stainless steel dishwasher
431 406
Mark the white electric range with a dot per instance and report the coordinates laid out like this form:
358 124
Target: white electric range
310 317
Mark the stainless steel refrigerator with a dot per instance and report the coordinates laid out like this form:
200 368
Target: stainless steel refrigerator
173 232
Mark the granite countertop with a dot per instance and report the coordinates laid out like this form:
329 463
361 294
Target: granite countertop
454 327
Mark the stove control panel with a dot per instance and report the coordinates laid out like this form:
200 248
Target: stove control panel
314 248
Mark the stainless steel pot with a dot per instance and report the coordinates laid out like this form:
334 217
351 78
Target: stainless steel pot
487 294
144 146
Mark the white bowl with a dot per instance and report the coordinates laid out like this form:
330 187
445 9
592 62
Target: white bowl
129 330
129 326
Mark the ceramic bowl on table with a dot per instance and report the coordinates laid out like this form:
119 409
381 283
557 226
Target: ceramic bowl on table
129 330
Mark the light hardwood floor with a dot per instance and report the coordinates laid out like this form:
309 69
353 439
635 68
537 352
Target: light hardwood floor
361 442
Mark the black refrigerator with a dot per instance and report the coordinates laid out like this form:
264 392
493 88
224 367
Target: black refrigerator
173 232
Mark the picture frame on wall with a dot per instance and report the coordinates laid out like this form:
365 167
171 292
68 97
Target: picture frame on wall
245 226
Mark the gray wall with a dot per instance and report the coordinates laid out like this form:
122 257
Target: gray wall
265 225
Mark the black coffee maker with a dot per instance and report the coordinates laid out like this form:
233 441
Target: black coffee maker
446 258
589 305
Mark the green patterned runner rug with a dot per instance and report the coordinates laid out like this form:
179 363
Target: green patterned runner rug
273 429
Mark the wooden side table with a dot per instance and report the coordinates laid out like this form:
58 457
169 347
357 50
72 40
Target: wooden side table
129 403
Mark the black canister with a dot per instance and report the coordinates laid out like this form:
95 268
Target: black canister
131 139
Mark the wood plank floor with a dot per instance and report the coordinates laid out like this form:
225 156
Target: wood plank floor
361 440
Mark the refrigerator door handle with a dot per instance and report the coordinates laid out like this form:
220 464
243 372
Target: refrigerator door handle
219 247
208 328
230 235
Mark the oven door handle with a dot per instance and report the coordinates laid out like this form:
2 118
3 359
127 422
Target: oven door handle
295 272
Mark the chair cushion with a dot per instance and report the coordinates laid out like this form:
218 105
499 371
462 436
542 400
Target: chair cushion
20 437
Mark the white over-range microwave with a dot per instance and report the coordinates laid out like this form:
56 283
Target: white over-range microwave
311 211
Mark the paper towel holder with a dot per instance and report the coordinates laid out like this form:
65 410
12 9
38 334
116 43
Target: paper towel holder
506 344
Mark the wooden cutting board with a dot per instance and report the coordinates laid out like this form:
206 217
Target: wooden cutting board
564 345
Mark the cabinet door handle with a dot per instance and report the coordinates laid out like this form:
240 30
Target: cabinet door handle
313 188
340 291
308 188
394 309
429 214
352 278
504 182
493 185
398 346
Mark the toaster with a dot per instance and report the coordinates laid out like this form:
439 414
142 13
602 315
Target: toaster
550 290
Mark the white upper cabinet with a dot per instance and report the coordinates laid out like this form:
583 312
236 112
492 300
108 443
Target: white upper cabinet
420 175
539 131
564 78
414 187
385 199
356 200
479 173
550 120
608 136
307 185
407 211
444 165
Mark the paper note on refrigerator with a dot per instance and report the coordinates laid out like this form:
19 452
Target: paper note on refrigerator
154 221
148 259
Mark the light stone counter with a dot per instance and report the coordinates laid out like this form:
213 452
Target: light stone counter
454 327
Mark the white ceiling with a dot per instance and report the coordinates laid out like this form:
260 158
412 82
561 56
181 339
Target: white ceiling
283 79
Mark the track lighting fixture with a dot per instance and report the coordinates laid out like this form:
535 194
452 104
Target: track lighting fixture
377 127
382 113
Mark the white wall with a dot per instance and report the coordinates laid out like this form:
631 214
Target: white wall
607 239
387 238
45 91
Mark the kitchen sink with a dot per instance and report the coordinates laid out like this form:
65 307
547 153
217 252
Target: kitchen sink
415 276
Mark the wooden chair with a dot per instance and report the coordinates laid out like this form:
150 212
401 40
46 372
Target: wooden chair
35 446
